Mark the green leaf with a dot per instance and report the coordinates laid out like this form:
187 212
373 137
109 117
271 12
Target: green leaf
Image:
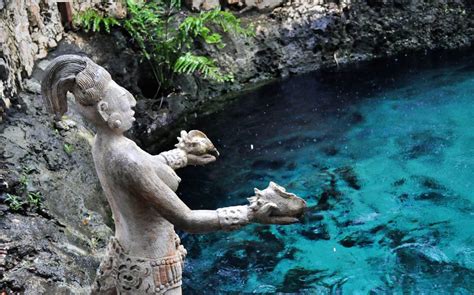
189 64
165 40
96 24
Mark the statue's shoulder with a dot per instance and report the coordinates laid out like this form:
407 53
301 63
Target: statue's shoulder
128 165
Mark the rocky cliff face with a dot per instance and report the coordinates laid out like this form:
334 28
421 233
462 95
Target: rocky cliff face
51 243
302 36
28 29
54 219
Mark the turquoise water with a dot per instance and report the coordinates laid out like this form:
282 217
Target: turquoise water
384 156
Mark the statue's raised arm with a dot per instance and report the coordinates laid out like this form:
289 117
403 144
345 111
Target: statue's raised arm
145 255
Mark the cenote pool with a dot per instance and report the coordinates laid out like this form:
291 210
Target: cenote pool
384 155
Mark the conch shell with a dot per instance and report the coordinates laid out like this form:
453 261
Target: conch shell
196 142
287 204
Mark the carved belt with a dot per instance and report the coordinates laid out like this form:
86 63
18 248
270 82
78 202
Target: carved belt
133 275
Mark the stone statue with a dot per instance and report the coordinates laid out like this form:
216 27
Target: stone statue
145 255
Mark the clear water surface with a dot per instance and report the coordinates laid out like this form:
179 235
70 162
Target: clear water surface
384 155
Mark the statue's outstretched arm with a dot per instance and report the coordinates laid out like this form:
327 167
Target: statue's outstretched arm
142 181
193 148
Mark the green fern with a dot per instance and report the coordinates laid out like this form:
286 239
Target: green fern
165 42
90 19
189 63
197 26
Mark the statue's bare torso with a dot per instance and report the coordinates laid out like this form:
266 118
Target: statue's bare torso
135 219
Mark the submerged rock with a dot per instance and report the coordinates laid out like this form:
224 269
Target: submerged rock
300 279
432 196
424 144
430 183
420 264
399 182
358 239
349 176
316 232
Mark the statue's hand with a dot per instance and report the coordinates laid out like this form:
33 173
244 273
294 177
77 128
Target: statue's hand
198 148
264 215
200 160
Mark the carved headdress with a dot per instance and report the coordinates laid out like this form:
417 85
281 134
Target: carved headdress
76 74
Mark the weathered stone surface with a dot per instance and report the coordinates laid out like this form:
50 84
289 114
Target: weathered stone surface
198 5
26 27
32 85
113 8
55 249
28 30
260 5
245 5
4 70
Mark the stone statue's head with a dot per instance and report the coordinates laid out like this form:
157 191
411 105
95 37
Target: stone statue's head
98 98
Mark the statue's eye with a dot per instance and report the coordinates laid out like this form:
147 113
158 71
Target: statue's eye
195 144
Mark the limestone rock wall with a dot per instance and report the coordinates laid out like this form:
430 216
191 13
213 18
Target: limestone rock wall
28 29
303 35
52 247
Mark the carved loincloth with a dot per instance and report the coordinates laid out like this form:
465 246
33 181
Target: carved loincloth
133 275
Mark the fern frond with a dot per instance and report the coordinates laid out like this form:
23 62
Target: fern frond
190 63
198 26
167 47
91 19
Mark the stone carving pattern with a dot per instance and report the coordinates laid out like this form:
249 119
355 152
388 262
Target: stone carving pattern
132 275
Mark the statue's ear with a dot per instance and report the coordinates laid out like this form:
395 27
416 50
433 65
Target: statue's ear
102 108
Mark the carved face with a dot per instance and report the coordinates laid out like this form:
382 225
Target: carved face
118 107
195 142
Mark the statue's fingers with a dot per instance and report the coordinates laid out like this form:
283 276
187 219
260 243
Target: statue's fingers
283 220
208 158
200 160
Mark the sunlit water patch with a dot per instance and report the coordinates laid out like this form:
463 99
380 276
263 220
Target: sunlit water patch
384 156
